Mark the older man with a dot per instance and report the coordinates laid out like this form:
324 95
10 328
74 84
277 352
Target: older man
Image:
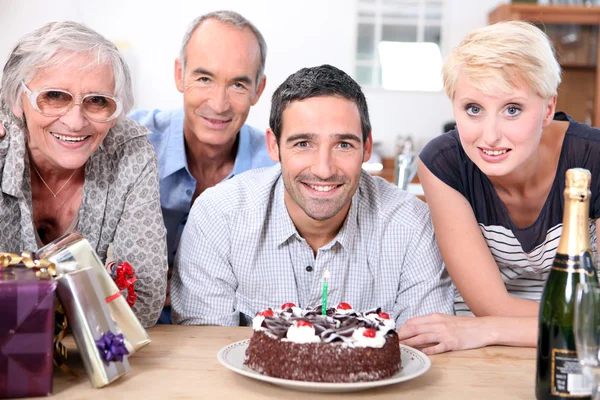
220 72
266 237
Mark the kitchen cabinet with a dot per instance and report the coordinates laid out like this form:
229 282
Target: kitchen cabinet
573 31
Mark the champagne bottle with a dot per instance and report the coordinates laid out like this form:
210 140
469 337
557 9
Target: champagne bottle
559 374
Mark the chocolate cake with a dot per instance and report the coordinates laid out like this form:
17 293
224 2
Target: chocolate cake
342 346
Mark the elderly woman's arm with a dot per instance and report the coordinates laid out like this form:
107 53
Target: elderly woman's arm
140 240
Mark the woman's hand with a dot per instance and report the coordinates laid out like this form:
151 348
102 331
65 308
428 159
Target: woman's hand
2 130
438 333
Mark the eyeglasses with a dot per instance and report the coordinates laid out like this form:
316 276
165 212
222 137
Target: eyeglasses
57 102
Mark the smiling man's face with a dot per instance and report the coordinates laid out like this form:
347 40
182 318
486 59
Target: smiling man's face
321 153
219 82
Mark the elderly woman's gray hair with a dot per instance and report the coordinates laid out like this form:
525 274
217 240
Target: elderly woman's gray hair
54 44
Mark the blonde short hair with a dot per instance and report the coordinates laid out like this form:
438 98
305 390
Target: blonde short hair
500 57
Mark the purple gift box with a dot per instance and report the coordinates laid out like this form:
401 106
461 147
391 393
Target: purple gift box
26 333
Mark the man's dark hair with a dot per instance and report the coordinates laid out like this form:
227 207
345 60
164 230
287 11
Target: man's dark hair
324 80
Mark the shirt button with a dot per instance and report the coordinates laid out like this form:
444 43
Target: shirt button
309 269
188 192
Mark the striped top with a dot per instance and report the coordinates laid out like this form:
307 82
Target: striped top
523 255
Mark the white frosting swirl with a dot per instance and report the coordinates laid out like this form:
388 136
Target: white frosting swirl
388 323
302 334
341 311
297 312
257 322
362 341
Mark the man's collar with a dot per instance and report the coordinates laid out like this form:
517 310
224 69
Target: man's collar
243 158
286 227
281 217
346 234
175 157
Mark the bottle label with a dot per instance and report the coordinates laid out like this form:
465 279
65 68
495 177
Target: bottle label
582 263
567 379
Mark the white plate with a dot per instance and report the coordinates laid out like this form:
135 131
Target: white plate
414 363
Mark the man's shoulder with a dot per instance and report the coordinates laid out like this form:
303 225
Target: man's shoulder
388 204
156 120
160 123
250 190
255 133
258 150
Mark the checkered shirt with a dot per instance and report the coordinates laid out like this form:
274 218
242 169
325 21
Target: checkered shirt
240 253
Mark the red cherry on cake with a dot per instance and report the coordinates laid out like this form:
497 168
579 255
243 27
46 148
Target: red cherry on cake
287 305
344 306
266 313
303 323
370 333
384 315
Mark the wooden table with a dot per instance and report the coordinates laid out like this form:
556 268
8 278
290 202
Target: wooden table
181 363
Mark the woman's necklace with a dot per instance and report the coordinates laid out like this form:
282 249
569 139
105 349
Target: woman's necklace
45 184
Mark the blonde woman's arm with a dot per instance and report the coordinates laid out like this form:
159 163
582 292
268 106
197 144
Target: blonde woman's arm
466 254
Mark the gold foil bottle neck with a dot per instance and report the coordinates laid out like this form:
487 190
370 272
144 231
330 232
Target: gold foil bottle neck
575 236
578 182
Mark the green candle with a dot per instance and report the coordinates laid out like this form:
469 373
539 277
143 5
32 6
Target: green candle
324 300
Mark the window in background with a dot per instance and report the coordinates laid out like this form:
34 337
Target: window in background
398 44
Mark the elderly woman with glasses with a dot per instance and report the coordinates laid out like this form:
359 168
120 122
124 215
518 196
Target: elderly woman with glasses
70 160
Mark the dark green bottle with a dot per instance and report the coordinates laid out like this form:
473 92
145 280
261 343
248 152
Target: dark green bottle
559 373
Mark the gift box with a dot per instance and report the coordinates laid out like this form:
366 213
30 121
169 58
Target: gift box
98 338
26 332
74 248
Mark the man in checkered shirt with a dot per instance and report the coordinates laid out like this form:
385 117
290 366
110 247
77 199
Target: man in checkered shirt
265 237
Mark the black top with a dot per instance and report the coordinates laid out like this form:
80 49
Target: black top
522 254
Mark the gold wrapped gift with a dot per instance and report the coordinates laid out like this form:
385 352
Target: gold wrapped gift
82 298
74 248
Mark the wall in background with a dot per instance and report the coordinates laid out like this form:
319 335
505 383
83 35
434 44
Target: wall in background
298 34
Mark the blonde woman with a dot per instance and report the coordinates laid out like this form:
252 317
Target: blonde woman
495 187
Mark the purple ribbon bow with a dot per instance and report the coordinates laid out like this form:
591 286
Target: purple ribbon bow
112 347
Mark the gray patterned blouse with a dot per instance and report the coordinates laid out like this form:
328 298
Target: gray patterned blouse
120 206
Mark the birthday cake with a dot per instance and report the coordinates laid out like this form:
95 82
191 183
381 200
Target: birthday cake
342 346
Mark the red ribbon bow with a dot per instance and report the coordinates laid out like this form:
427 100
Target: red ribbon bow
125 279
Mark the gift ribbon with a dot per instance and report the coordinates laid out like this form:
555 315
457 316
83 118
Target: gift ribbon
124 279
44 268
112 347
60 350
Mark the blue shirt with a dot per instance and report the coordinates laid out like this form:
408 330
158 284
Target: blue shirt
177 185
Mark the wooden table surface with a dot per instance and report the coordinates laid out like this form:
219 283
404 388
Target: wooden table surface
181 363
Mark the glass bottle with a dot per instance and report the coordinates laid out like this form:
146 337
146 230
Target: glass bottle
559 374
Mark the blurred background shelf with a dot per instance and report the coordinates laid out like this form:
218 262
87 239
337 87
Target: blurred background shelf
387 173
573 31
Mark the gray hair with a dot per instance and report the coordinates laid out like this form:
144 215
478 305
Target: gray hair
231 18
54 44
